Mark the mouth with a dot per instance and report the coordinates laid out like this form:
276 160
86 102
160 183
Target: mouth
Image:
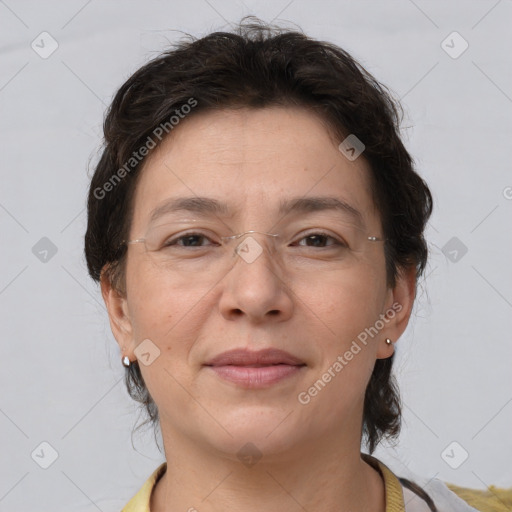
255 369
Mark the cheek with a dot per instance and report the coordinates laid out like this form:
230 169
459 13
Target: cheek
170 314
342 306
171 317
344 302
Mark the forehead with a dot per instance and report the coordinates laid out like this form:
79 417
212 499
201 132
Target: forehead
253 161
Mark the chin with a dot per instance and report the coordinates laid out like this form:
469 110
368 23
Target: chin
260 429
249 446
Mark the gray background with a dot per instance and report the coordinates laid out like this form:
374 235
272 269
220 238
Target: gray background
62 379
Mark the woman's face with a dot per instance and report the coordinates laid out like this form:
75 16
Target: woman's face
326 305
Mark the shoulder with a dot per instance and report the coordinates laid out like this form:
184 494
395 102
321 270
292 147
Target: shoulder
494 498
442 498
403 495
140 502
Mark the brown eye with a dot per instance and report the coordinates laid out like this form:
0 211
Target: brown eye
188 240
321 240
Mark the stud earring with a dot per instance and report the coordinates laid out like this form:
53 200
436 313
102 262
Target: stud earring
126 361
388 342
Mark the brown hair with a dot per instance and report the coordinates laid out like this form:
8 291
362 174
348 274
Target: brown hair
261 66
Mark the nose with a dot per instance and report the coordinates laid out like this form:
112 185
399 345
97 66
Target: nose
256 286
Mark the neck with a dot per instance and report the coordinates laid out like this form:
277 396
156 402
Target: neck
326 476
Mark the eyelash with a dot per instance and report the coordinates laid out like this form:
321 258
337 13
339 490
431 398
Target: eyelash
337 242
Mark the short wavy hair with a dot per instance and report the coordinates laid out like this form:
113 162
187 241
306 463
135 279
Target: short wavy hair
258 66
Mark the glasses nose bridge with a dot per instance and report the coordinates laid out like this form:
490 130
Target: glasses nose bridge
247 247
239 235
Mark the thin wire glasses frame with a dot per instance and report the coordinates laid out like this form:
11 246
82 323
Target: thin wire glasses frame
239 235
198 258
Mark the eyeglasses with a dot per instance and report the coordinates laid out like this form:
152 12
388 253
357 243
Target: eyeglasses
201 250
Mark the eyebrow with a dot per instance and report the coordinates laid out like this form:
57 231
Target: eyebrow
205 206
316 204
198 205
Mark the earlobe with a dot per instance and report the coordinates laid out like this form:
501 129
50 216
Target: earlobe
119 318
399 306
386 348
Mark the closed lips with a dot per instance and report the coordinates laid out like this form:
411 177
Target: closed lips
251 359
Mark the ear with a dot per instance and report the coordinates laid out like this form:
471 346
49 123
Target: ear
117 308
398 308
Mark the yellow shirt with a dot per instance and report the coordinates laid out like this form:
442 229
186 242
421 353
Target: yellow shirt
393 489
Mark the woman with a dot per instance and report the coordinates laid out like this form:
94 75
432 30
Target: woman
256 225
